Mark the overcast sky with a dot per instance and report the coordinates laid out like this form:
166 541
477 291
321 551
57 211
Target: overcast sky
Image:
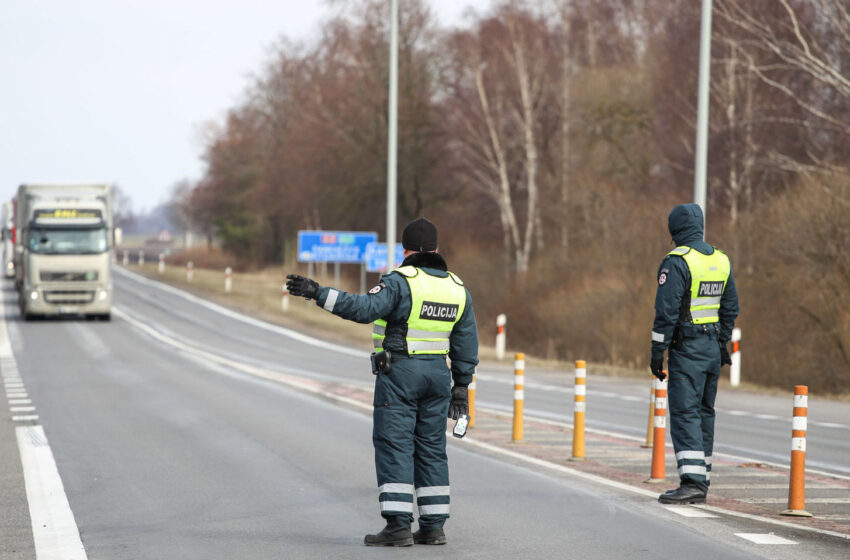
118 90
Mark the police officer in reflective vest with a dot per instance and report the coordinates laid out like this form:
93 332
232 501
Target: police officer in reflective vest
695 309
421 313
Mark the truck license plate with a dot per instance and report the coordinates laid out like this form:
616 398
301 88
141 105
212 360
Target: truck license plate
67 309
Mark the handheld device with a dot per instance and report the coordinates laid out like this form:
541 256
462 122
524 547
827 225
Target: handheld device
460 426
381 362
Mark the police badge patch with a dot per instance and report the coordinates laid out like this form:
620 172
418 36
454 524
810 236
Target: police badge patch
662 278
377 288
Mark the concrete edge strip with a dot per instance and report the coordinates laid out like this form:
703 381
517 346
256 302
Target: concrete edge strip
273 376
54 528
295 335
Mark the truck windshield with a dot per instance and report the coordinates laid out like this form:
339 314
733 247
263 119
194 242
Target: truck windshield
68 241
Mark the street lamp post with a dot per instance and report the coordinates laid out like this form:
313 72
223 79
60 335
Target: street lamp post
701 156
392 147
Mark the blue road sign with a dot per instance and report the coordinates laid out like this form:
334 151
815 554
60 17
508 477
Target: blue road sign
334 246
376 256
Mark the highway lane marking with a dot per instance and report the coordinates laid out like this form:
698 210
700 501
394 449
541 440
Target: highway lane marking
686 511
295 335
54 529
764 538
302 384
20 401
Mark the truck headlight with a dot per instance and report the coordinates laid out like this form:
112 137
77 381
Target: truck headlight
101 294
33 295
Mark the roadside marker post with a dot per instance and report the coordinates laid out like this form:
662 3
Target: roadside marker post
471 393
799 425
657 472
126 260
580 408
284 299
190 271
735 368
228 280
650 425
161 266
141 258
519 395
501 320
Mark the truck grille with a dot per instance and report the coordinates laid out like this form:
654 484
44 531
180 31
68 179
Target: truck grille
68 296
47 276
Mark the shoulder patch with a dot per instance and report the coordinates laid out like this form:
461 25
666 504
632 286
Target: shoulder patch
662 278
380 286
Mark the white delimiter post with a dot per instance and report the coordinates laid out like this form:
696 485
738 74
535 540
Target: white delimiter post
735 368
228 281
161 266
500 336
126 259
284 298
190 271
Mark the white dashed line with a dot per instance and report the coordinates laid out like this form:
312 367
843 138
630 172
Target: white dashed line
28 418
20 401
686 511
764 538
22 408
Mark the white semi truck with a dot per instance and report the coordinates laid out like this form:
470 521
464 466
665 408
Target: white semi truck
8 263
63 263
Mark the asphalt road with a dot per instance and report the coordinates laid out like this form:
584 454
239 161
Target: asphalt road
165 453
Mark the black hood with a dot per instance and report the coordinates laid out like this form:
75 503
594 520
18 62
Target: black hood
426 260
686 224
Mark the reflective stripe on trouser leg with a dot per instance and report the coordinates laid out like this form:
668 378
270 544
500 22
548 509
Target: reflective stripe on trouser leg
708 469
431 470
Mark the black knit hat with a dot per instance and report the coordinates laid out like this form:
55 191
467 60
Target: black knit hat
420 235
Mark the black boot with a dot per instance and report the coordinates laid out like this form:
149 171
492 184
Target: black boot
684 494
429 536
391 535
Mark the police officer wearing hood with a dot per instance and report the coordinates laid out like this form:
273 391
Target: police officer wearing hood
421 313
695 309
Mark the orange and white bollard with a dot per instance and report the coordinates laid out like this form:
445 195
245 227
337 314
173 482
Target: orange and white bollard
190 271
735 368
284 298
471 394
650 424
580 407
501 320
228 279
161 266
519 395
797 486
141 258
657 472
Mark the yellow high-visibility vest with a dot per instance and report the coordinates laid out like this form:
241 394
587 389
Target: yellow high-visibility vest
436 305
709 274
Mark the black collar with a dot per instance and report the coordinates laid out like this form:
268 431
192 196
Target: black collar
426 260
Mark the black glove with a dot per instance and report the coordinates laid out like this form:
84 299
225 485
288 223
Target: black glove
657 367
724 355
300 286
459 405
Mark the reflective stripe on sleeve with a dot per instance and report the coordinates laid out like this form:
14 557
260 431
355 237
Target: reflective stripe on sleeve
657 337
331 301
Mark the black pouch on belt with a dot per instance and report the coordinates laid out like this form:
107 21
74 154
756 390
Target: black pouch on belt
381 362
678 338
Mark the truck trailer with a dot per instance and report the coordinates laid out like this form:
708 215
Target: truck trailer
64 234
8 233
